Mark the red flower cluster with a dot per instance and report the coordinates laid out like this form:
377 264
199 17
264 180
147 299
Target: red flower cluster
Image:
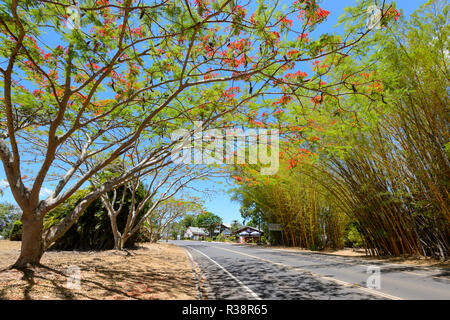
285 22
231 92
394 13
137 32
316 100
296 76
93 66
292 53
297 158
239 11
318 15
37 93
276 35
321 14
210 75
303 36
278 111
285 99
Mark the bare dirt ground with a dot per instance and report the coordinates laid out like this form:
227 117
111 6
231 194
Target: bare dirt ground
152 271
360 253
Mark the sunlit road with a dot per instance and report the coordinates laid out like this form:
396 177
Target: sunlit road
246 272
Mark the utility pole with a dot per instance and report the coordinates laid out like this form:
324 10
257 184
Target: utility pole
259 227
168 230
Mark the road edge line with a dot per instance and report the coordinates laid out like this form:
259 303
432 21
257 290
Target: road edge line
196 275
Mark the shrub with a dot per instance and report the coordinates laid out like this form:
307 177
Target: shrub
93 229
353 238
16 231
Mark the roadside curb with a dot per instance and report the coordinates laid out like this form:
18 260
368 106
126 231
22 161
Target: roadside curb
194 266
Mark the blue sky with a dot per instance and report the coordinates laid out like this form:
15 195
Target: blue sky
219 201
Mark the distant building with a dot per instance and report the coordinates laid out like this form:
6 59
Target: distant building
224 229
249 234
195 233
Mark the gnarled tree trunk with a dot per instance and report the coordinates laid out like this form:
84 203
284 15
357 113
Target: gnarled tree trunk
32 247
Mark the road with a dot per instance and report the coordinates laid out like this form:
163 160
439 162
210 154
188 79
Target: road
232 271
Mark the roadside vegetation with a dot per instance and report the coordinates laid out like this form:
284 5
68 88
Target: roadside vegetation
368 171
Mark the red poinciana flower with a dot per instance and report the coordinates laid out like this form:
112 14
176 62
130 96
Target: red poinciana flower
317 100
286 22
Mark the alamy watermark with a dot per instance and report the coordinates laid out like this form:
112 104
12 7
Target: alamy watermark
374 17
73 20
374 280
227 146
74 278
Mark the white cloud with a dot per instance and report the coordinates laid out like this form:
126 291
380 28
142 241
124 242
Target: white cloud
45 192
4 183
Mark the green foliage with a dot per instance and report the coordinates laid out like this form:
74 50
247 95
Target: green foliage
8 215
16 231
235 225
93 229
188 221
207 220
293 198
352 237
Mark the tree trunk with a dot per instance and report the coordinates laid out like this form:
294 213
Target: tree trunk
118 243
32 247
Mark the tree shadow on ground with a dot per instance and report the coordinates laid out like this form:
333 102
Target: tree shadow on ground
268 281
108 275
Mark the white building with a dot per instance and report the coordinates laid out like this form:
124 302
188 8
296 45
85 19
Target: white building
195 233
249 234
224 229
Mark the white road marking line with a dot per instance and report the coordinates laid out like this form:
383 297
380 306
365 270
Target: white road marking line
340 282
196 276
253 294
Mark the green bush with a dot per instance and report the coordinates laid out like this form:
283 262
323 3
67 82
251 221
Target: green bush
9 213
16 231
93 231
352 236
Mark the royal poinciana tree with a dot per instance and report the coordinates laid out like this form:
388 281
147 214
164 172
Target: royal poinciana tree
122 70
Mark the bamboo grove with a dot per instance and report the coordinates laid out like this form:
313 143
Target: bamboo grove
371 169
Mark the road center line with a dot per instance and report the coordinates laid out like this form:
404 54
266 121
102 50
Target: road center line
357 264
253 294
340 282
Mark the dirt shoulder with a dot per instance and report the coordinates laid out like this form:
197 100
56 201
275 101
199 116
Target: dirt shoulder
360 253
152 271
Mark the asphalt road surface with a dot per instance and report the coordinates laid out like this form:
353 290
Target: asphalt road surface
231 271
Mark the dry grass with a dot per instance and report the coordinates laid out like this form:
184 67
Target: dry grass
152 271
